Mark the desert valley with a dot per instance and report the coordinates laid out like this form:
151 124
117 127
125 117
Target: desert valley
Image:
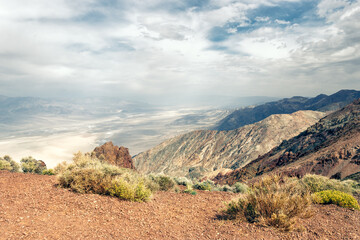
180 119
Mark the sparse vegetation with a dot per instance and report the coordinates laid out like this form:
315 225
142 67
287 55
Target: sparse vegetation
272 201
336 197
90 175
317 183
48 172
206 185
31 165
190 190
165 183
7 163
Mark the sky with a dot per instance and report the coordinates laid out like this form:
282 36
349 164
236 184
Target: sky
157 50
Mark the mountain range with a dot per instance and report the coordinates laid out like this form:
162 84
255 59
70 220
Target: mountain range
331 147
204 152
321 102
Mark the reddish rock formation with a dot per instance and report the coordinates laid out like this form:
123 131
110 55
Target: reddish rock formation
114 155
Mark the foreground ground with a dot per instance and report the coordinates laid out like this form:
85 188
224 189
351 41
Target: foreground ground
32 207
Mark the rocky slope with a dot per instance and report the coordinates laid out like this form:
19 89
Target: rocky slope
322 102
330 147
115 155
205 152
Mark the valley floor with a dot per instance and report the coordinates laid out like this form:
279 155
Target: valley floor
32 207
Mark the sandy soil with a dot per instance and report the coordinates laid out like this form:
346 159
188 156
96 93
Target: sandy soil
32 207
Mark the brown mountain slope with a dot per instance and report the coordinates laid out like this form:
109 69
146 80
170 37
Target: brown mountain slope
203 152
330 147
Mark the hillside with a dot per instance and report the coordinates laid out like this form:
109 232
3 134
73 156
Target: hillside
43 211
204 152
330 147
322 102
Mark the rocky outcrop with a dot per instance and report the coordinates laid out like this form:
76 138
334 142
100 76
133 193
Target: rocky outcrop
330 147
322 102
114 155
208 152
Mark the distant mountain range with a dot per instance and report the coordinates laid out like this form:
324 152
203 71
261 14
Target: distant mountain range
207 152
330 147
321 102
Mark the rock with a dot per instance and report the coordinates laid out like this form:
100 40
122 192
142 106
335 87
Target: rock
114 155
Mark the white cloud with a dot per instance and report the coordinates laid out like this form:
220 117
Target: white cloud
138 50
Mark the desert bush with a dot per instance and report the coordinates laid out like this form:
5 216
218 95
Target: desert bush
31 165
272 201
7 163
317 183
225 188
183 181
165 183
240 188
190 190
87 174
336 197
206 185
48 172
60 168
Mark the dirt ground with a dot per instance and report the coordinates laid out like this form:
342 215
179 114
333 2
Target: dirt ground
32 207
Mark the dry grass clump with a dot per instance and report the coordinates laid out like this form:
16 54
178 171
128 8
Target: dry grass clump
273 201
87 174
317 183
336 197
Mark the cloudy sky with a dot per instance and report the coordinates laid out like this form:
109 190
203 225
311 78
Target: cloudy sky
193 49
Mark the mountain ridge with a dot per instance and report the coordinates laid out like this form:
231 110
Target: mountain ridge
321 102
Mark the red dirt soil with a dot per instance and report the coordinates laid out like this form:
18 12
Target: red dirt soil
32 207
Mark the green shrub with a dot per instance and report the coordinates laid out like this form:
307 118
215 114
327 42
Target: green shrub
272 201
317 183
6 163
183 181
190 190
31 165
336 197
87 174
240 188
165 183
207 185
48 172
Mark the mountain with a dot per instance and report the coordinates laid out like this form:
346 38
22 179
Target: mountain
204 152
330 147
322 102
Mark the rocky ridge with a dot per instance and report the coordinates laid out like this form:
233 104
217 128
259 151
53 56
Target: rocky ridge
208 152
114 155
321 102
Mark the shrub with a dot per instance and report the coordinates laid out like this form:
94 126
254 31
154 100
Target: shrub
89 175
48 172
240 188
336 197
189 190
6 163
31 165
272 201
183 181
165 183
207 185
317 183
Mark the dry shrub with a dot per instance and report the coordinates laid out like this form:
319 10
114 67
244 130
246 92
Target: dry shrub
273 201
87 174
7 163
